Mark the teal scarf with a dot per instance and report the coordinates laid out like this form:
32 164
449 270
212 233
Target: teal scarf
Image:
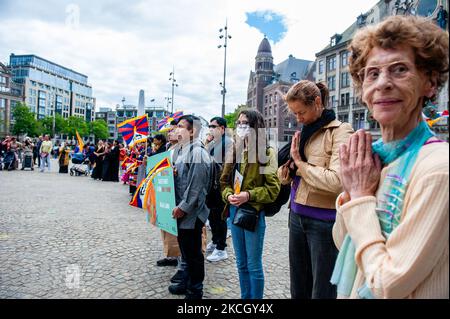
403 155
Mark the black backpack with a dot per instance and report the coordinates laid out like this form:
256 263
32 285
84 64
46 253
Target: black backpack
285 190
214 197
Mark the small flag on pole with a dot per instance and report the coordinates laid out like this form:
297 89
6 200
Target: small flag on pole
164 124
134 130
80 142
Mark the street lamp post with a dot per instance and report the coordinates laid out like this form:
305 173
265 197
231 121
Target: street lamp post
54 115
172 79
169 101
224 45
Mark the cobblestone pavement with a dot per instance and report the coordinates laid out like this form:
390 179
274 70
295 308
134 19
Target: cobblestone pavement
55 225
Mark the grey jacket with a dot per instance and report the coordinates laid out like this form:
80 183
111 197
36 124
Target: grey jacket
192 182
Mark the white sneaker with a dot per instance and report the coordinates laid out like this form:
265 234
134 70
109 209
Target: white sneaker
217 255
210 248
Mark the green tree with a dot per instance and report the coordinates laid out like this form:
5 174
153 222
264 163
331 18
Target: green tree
25 122
74 124
231 118
47 124
99 129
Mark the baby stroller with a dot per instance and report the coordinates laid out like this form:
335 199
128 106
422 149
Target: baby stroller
80 165
28 162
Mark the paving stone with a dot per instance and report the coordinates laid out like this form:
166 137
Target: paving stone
65 236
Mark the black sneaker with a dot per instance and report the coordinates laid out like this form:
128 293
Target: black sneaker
177 289
167 262
177 278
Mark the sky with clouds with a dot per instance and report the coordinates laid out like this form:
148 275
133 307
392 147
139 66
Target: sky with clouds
125 46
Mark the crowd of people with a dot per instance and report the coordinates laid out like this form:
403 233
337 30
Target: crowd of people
366 219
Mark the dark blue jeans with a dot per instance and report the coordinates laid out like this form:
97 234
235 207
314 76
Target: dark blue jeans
248 248
312 255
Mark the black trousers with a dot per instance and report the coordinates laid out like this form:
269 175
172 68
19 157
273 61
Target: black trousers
190 242
218 229
312 255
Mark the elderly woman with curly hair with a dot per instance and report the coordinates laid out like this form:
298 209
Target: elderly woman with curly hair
392 218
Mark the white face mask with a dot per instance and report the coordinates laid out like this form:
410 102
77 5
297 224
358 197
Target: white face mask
243 132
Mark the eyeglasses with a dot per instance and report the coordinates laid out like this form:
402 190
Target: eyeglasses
397 70
213 126
241 123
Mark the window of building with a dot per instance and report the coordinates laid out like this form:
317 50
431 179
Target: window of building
331 82
343 117
358 120
320 67
331 64
345 79
265 111
345 99
274 122
374 125
344 58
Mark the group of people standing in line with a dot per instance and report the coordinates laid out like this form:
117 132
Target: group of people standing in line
367 219
105 160
26 152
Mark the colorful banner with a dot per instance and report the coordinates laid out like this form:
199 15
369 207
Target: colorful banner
159 192
164 124
134 130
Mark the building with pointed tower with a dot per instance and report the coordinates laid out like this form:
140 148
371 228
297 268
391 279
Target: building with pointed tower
332 64
269 83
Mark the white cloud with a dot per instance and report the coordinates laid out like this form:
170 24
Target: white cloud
127 46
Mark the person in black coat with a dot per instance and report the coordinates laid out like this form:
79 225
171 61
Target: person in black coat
97 172
111 163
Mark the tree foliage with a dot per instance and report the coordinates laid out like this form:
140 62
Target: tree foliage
231 118
99 129
25 122
75 123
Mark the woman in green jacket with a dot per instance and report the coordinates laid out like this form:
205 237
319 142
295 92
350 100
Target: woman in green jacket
248 182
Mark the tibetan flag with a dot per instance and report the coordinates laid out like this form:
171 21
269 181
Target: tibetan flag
130 167
80 142
164 124
143 190
443 114
134 130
